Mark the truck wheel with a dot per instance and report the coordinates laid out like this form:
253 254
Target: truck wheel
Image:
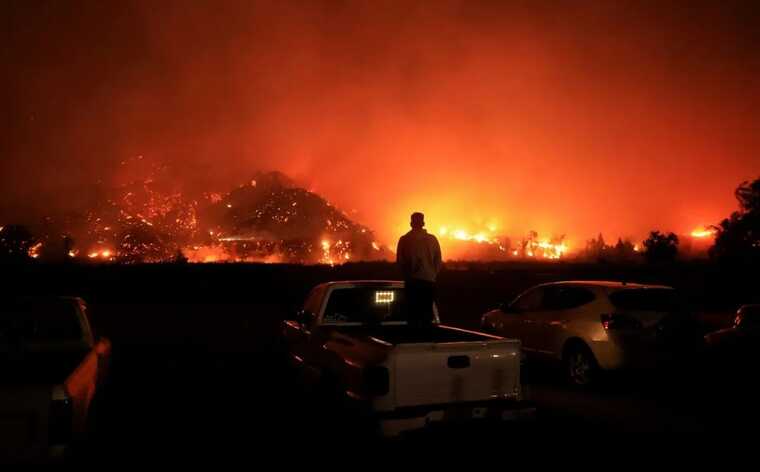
580 364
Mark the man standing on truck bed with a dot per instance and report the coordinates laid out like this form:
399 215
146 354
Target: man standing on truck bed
418 255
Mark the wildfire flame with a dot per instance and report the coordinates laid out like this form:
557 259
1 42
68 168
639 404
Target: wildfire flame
531 247
102 254
463 235
338 252
703 233
552 251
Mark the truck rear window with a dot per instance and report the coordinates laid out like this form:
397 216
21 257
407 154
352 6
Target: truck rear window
362 305
646 299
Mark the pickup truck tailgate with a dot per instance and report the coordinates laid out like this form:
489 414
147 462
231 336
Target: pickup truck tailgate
444 373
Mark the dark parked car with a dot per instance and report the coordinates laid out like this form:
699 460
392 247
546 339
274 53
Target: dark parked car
742 339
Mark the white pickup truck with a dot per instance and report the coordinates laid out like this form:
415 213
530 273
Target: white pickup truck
353 335
51 366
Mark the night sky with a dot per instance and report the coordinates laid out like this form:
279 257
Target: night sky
562 117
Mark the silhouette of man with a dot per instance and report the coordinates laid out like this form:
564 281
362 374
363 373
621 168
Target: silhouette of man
418 255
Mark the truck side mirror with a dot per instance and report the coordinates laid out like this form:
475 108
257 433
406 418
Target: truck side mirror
303 317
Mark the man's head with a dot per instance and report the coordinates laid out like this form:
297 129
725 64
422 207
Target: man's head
418 220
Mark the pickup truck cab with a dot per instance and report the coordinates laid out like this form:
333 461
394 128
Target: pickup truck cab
52 365
354 336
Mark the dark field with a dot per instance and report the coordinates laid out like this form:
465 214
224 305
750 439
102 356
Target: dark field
198 370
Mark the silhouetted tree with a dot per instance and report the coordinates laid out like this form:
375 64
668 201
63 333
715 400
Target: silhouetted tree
179 257
15 242
56 248
738 237
748 194
624 251
661 247
597 249
68 244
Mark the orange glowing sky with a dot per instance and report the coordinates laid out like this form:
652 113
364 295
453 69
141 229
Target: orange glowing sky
560 117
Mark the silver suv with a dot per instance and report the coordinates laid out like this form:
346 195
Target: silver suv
596 325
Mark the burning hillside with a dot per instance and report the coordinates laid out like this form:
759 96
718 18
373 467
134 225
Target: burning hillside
273 220
147 218
268 219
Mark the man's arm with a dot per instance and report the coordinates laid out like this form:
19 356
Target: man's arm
400 258
437 260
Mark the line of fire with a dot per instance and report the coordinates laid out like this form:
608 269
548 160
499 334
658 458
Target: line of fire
270 219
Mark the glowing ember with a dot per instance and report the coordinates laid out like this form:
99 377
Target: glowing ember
34 251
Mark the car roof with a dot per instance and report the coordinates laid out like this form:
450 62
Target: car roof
604 284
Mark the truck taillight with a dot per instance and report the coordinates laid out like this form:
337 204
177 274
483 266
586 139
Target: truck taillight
377 381
60 418
616 321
